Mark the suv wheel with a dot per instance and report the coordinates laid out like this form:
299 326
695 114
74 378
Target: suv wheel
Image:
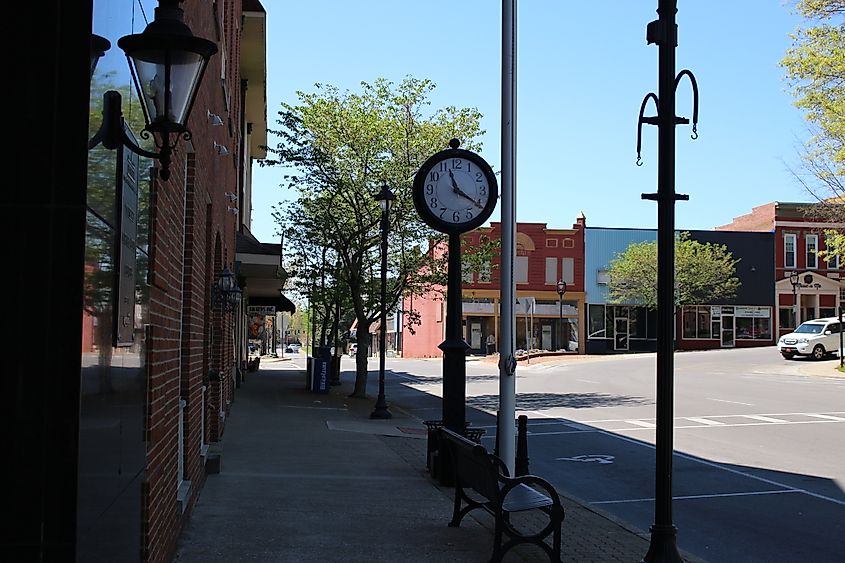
818 352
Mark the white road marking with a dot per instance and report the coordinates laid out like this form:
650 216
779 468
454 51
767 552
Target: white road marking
710 464
643 423
586 381
731 402
705 421
828 417
688 497
762 418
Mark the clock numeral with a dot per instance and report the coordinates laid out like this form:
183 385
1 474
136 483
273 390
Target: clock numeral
456 216
482 190
457 164
469 215
433 202
429 189
479 177
442 211
434 176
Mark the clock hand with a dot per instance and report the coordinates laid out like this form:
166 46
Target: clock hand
462 193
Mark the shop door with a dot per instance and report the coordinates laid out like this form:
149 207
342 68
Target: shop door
727 331
475 336
620 333
546 337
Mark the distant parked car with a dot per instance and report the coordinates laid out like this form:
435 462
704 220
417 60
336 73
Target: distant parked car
815 338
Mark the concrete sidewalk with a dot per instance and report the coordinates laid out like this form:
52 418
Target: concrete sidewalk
308 477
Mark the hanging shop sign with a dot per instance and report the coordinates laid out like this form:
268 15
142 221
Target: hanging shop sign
126 240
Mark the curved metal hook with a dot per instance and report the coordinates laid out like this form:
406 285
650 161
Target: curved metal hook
653 96
694 84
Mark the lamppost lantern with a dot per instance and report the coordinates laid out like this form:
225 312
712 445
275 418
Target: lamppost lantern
226 280
385 198
226 292
167 64
561 288
99 46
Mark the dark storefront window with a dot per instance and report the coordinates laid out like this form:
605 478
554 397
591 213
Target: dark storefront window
596 324
748 328
112 452
697 322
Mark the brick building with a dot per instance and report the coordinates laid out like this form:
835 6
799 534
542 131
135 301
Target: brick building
116 423
798 238
544 256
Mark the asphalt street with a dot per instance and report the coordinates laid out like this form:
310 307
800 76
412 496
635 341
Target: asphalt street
759 469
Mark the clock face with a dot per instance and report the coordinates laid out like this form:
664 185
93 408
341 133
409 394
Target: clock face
455 191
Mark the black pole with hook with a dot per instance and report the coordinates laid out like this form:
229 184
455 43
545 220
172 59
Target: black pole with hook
664 33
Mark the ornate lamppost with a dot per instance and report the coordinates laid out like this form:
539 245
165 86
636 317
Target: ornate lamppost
561 289
385 198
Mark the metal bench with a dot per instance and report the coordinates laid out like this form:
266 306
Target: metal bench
501 495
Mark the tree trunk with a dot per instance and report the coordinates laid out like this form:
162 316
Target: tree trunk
361 356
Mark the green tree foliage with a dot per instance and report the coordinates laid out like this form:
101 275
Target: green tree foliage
343 146
815 71
704 272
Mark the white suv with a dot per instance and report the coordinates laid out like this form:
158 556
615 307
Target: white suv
814 338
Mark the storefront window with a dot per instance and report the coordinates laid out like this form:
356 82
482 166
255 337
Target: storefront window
637 326
703 315
689 322
748 328
697 322
597 321
786 318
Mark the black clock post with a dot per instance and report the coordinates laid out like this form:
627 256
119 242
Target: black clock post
455 346
455 191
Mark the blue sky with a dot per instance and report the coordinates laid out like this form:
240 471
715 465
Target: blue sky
583 70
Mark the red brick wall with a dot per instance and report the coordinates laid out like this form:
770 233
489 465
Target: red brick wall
761 219
189 212
539 234
430 332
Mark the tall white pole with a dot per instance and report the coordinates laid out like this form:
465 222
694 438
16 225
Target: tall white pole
507 362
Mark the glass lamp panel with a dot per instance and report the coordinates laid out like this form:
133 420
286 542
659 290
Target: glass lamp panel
226 282
163 103
185 72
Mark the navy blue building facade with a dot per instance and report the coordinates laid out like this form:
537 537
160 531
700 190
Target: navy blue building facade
745 320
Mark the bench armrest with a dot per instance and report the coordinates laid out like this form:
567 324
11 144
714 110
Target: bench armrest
509 483
501 465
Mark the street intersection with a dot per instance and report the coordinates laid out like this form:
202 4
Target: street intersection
759 468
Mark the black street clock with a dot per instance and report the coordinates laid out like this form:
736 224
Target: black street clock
455 190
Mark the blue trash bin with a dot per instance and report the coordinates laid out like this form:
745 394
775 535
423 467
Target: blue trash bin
321 370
